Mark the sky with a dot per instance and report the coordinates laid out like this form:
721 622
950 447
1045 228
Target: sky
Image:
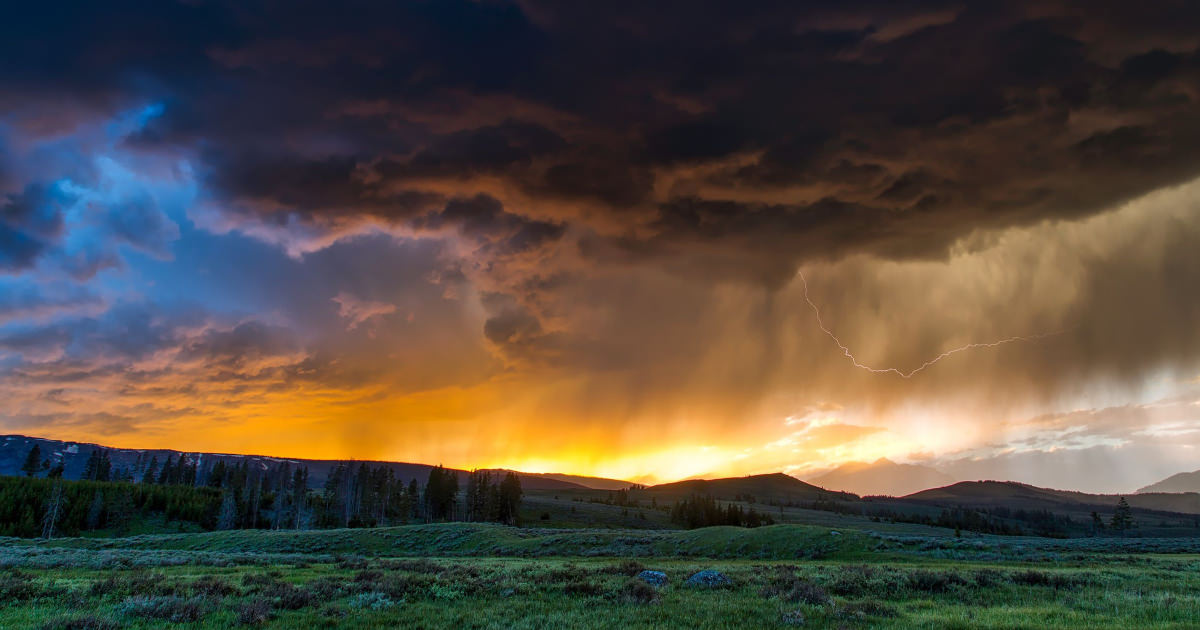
640 240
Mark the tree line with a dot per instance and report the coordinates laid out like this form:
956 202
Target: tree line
705 511
221 495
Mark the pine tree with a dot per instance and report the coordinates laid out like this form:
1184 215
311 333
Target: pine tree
1122 518
33 461
150 476
510 499
89 469
164 477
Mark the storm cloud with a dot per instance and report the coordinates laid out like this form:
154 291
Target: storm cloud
548 214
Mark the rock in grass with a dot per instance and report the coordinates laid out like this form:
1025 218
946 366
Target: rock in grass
653 578
708 579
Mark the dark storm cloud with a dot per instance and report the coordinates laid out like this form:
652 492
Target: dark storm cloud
483 219
844 127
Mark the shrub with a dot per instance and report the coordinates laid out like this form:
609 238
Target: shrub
288 597
441 591
165 607
636 591
351 562
368 577
372 601
1032 577
582 587
987 578
792 588
254 612
325 588
17 586
628 567
258 581
213 586
86 622
934 581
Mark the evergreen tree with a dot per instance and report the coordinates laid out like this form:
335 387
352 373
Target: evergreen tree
164 477
33 461
93 464
104 467
509 503
150 476
1122 518
441 492
299 496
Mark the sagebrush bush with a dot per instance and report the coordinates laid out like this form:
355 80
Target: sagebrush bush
213 586
935 581
85 622
135 583
635 591
790 587
17 586
254 612
372 601
288 597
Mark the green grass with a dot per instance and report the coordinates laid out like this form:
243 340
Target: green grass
478 539
484 576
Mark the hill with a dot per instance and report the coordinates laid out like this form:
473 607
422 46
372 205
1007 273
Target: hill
1181 482
595 483
74 455
775 487
1013 495
882 477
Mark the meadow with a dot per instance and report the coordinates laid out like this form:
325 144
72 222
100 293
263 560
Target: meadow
490 576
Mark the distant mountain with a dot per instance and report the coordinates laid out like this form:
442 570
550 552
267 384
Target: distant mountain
74 455
1182 482
882 477
1015 496
773 487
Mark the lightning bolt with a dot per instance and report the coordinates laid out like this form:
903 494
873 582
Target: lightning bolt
899 372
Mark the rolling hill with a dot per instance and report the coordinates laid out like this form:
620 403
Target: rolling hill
775 487
882 477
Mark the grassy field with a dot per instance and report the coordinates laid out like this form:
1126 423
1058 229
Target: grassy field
484 576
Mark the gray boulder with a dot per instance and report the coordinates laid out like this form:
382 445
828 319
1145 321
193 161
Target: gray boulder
708 579
653 578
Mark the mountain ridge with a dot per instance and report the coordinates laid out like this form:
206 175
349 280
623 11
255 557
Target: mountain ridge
73 455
